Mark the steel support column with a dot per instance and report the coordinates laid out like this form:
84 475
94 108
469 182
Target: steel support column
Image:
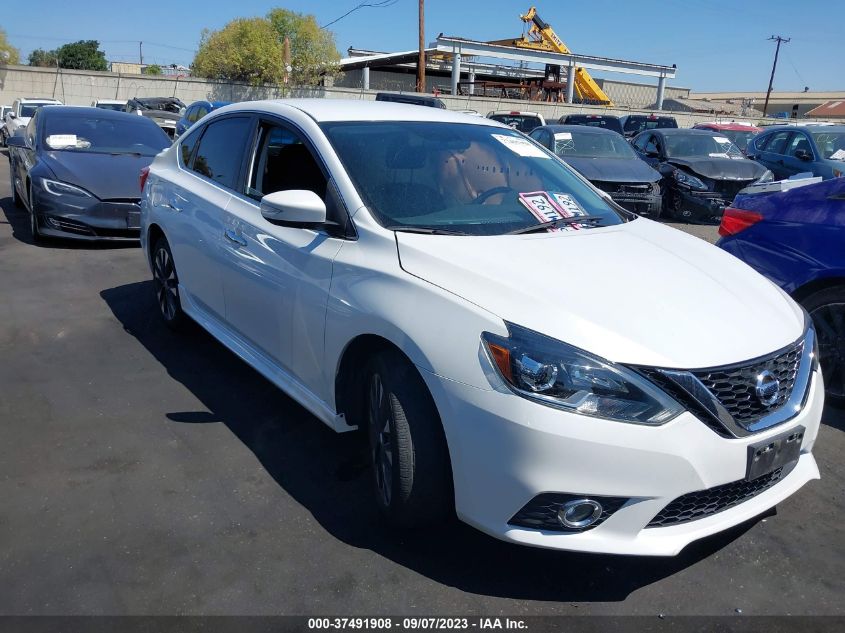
661 88
456 72
365 77
570 84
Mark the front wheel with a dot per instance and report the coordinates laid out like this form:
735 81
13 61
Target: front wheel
167 286
410 459
16 198
827 309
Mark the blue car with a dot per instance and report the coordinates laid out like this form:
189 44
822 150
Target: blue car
788 150
196 111
796 238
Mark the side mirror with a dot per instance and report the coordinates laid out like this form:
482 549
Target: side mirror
803 154
16 141
294 207
12 115
652 154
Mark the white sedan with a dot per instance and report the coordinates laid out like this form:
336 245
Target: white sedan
516 348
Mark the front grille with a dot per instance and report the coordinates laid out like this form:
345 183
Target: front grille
735 386
729 188
541 512
704 503
624 188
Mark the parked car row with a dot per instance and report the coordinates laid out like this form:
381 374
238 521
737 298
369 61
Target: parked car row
319 239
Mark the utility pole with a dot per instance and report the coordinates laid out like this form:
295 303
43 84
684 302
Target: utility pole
421 60
778 39
141 52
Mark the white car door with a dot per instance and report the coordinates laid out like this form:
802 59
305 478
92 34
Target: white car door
195 199
277 280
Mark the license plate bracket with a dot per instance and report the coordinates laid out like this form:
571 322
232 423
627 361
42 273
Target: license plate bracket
769 455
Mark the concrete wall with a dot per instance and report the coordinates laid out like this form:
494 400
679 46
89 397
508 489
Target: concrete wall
75 87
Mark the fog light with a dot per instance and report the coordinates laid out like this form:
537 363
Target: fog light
579 513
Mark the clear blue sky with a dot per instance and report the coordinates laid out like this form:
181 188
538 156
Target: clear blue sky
717 44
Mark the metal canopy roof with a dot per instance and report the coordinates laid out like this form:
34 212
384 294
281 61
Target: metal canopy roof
380 59
446 44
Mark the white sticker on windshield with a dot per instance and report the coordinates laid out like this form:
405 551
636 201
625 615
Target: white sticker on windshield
838 154
721 139
521 146
560 136
57 141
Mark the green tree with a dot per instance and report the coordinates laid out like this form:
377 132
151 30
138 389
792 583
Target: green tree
313 50
153 69
246 49
252 50
82 55
40 57
8 53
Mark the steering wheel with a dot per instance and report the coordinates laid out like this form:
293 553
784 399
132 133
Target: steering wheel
482 197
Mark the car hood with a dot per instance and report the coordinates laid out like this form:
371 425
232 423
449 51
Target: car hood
721 168
104 175
613 169
639 293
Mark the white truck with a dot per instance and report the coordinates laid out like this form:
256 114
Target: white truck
20 114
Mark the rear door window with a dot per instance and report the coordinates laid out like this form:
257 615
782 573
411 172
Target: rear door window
777 143
220 152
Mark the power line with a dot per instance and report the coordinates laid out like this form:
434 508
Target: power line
383 4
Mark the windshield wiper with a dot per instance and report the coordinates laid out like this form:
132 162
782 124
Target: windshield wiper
595 220
427 230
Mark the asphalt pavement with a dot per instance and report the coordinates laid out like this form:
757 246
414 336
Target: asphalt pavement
143 472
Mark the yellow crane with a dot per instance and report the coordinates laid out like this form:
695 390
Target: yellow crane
541 36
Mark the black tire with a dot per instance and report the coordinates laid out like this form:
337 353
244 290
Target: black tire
413 481
33 221
166 284
15 196
827 308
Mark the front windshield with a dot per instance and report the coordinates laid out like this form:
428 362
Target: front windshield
457 177
739 138
28 110
522 122
700 145
112 106
830 144
590 145
90 133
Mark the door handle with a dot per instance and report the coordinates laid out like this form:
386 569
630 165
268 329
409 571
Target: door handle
234 237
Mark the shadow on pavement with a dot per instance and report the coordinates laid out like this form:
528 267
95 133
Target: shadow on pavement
325 472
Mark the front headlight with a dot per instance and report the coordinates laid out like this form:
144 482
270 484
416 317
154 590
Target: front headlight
767 176
688 180
559 375
58 188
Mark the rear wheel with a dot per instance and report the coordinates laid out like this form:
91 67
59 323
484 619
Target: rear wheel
827 308
167 285
410 459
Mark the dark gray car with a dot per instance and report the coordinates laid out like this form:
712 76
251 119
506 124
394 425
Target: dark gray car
606 159
76 170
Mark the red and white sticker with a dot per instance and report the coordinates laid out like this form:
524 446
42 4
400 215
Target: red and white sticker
549 206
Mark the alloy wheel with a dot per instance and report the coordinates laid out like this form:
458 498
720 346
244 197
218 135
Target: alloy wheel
829 320
166 283
381 439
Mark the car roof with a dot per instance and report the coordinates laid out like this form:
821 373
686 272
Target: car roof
100 113
678 131
737 127
513 113
647 116
580 129
327 110
804 128
591 116
45 99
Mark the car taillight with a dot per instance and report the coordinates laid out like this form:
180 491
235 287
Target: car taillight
736 220
145 172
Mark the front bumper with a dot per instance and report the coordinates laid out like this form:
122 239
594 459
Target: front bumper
706 207
86 218
506 450
647 206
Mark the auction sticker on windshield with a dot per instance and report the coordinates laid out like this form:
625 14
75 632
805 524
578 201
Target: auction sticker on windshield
521 146
549 206
57 141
